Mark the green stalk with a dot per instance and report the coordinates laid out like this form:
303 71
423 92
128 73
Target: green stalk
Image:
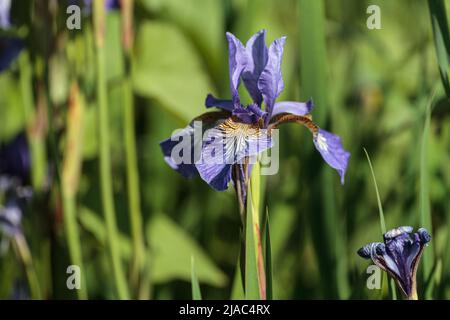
255 278
382 221
25 256
104 153
133 182
34 136
38 159
441 40
195 286
413 295
425 214
73 239
134 201
69 182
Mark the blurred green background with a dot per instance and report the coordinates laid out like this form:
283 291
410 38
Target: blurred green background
372 87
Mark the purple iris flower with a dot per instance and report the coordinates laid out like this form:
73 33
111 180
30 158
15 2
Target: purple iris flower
238 132
399 256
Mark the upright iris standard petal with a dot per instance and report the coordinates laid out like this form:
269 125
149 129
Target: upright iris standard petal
330 147
9 50
293 107
257 55
237 59
227 144
399 255
270 82
5 7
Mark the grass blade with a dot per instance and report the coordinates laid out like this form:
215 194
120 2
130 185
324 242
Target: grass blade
392 289
134 199
268 258
441 40
69 182
255 281
104 154
196 294
424 196
251 273
237 291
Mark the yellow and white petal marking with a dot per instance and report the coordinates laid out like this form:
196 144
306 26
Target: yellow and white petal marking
242 139
322 142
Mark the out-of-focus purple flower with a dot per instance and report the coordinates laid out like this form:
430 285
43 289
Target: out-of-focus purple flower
5 7
19 291
11 218
109 4
10 47
112 4
240 132
399 256
9 50
15 159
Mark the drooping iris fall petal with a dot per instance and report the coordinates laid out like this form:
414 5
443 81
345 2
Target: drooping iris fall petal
330 147
227 144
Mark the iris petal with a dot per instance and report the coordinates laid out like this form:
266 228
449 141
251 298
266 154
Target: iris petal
188 170
293 107
212 101
270 82
237 59
257 55
393 233
330 147
227 144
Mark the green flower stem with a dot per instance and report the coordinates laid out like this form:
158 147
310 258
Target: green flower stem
254 249
134 201
104 154
69 181
424 196
413 295
25 256
38 159
133 182
34 134
73 239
